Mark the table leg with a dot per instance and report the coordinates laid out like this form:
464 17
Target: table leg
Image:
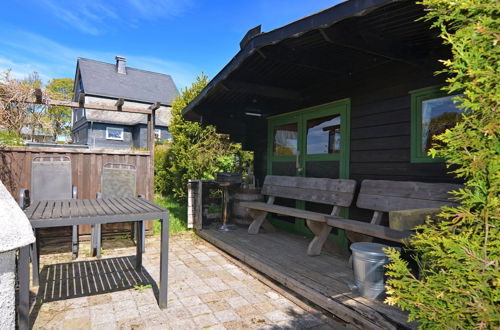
164 263
24 287
138 258
35 260
98 239
74 242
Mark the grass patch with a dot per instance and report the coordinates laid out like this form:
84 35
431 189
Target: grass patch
178 214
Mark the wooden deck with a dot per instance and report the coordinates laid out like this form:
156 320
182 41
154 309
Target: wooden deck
321 279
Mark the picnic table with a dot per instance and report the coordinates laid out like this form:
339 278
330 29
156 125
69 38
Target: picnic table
56 213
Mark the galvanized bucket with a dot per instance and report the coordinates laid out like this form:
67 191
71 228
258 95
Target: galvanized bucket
368 264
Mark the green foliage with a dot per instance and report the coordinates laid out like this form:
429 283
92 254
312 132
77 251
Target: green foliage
196 151
60 117
458 256
10 139
178 215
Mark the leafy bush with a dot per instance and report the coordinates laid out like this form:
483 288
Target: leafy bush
195 151
458 283
10 139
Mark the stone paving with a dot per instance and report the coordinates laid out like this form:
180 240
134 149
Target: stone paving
206 291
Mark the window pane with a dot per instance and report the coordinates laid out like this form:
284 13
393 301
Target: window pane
285 140
438 115
323 135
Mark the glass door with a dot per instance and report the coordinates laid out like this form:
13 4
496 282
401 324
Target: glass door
313 142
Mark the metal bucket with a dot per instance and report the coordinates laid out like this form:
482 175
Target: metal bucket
368 264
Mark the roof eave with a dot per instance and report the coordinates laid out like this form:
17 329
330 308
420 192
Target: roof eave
319 20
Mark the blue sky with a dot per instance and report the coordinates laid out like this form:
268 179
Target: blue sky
178 37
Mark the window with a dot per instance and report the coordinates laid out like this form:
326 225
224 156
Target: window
323 135
114 133
157 134
285 140
432 112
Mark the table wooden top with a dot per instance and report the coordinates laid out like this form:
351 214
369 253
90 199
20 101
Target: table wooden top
92 210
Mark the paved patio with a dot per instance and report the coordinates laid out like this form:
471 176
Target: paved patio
206 291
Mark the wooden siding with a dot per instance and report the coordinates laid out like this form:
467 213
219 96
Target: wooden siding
15 173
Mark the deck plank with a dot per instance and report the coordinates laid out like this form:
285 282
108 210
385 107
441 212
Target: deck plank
321 279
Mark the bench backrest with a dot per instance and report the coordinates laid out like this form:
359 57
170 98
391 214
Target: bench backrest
386 196
338 192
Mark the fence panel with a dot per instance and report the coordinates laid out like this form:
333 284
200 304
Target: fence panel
15 173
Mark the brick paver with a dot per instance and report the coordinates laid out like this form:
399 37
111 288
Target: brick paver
206 291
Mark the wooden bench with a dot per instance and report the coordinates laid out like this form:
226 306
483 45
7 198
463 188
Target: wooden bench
335 192
379 196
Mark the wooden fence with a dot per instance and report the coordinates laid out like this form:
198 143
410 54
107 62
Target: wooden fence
15 173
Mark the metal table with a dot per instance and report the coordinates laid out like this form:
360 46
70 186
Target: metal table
56 213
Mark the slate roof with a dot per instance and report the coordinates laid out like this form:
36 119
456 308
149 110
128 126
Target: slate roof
100 78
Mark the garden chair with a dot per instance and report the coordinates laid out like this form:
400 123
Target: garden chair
117 181
51 179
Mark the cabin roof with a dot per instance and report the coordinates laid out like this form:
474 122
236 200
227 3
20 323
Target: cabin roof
102 79
282 70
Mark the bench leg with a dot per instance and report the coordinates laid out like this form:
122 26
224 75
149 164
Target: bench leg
321 231
258 219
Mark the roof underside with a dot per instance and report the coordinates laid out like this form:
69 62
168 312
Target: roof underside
102 79
284 69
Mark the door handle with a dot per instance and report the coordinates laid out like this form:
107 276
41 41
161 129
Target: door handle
297 162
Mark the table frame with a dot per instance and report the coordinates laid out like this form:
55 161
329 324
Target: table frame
155 212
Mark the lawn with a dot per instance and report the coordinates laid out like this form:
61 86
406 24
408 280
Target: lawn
178 214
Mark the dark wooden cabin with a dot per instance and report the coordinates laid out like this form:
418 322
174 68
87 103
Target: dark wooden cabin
348 92
372 63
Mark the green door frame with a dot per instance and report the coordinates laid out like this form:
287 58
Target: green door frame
341 107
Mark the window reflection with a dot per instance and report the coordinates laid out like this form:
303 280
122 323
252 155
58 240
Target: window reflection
323 135
285 140
438 115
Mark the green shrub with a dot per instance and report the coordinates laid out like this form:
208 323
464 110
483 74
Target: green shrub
195 151
458 282
10 139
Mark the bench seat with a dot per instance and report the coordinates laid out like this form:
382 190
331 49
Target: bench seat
285 210
333 221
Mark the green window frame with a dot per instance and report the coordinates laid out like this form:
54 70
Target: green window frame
417 98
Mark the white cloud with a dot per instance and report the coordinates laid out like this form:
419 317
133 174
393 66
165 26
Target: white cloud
97 16
25 52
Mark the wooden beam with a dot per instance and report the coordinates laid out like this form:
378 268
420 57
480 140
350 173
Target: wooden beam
154 106
38 95
119 103
151 146
81 100
292 57
262 90
372 45
95 106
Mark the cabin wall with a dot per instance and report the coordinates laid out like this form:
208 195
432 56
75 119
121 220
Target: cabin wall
380 127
